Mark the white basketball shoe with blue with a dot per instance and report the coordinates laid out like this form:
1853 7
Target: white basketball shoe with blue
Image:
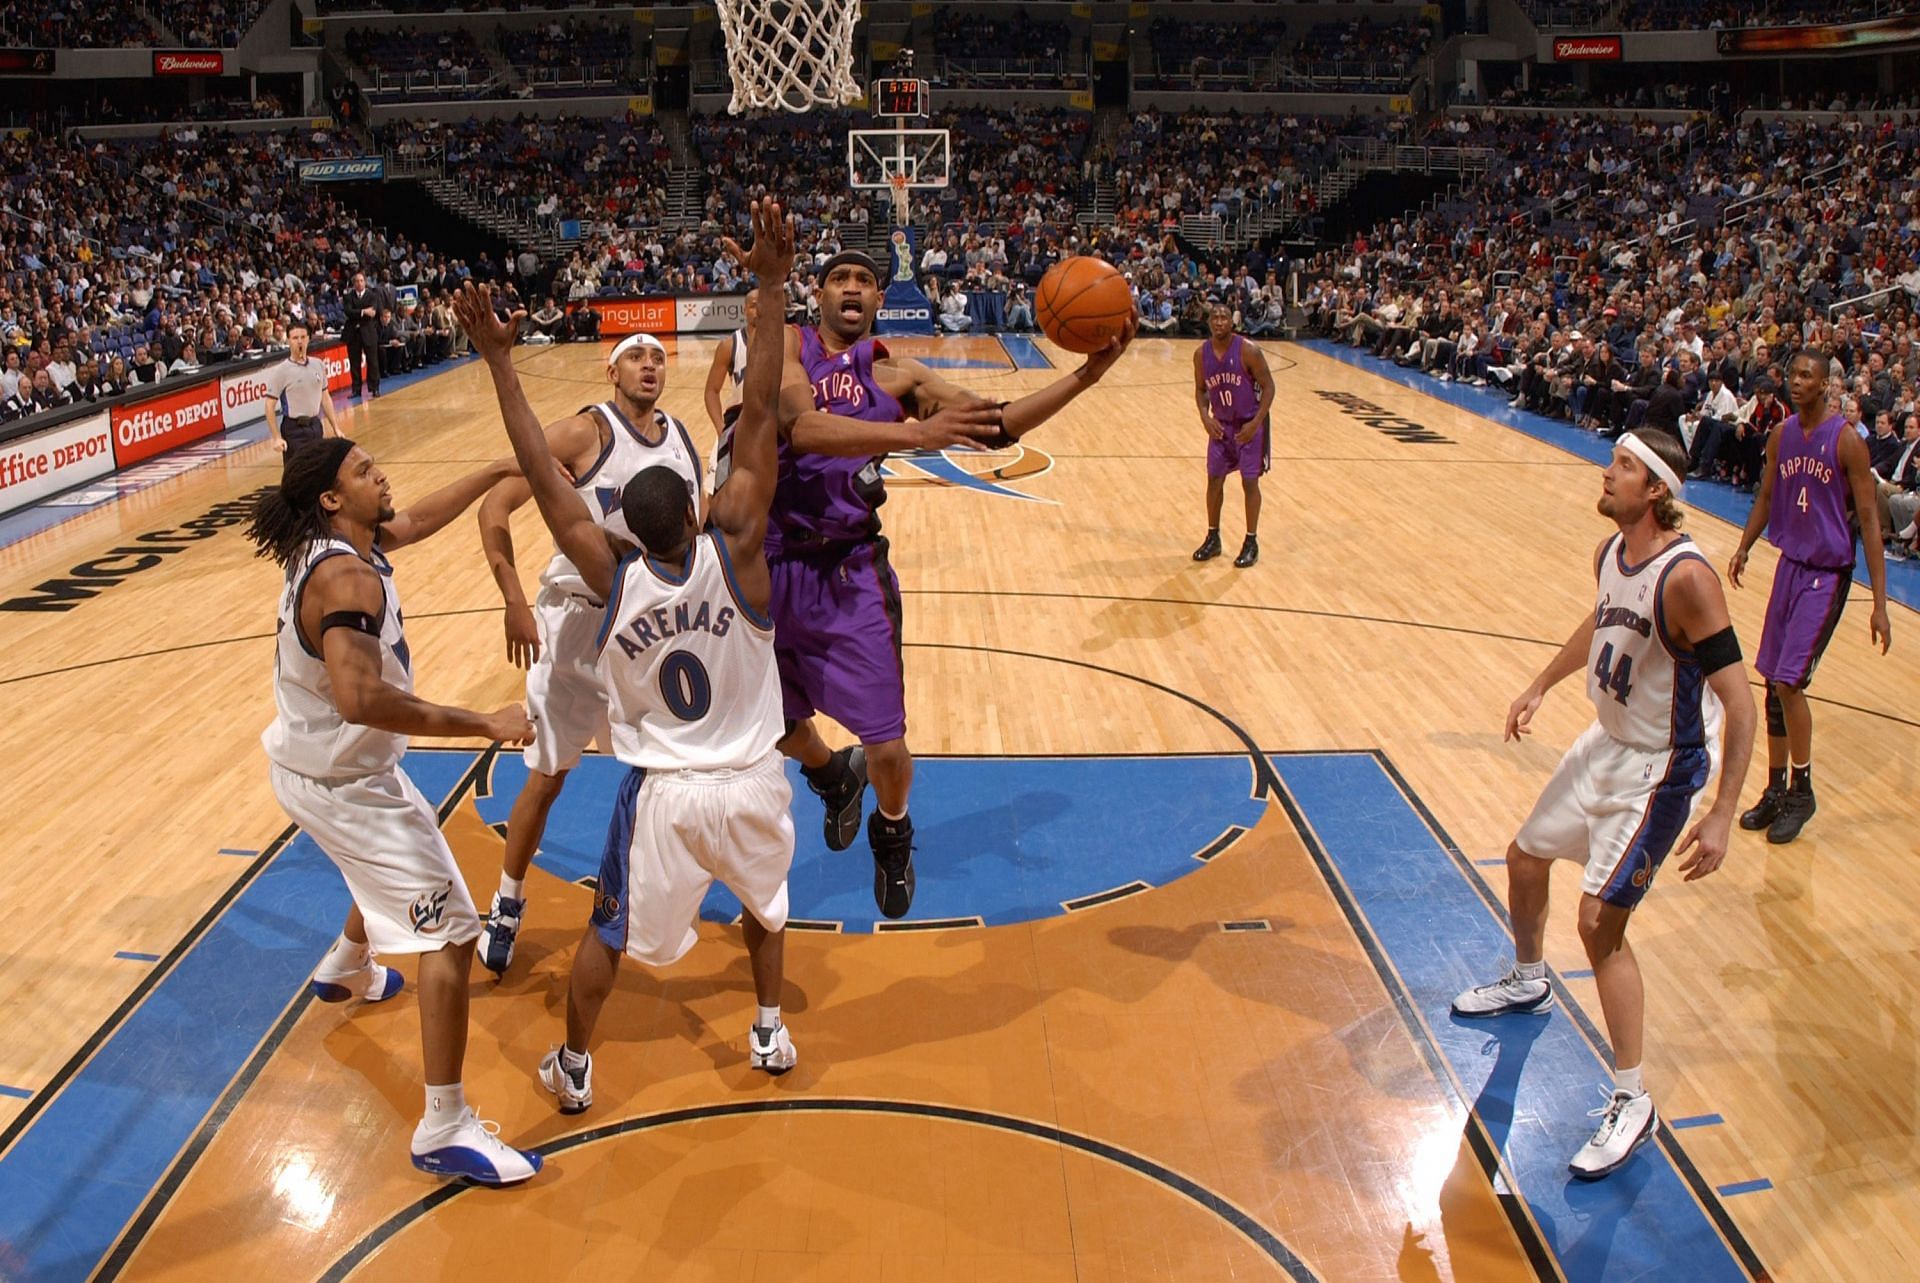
471 1147
371 983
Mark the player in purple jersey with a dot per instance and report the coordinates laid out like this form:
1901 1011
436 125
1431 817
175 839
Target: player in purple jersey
845 403
1820 477
1234 390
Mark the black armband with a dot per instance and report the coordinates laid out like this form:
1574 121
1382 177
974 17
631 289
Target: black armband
1722 650
358 620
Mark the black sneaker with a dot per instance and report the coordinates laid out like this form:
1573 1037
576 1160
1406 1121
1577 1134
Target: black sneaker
1796 808
892 843
1209 548
1249 553
1765 811
844 802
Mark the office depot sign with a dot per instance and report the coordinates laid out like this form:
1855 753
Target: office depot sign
32 468
152 427
241 395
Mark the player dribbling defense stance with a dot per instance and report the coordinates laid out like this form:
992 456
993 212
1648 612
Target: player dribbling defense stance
686 657
1663 672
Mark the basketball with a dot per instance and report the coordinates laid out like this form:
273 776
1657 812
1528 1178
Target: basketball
1083 302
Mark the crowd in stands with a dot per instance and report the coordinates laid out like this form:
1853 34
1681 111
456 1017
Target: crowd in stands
449 53
978 48
1608 276
204 24
1694 15
600 50
603 170
129 262
67 24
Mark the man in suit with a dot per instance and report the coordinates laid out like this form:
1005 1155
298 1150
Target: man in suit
1898 490
362 326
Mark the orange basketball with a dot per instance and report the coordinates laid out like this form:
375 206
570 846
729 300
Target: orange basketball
1082 302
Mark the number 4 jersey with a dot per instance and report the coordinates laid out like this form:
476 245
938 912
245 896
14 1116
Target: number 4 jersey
1647 692
687 665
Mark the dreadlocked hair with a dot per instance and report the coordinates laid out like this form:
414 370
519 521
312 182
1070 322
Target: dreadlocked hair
289 517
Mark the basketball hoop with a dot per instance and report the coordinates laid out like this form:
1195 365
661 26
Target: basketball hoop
793 55
902 207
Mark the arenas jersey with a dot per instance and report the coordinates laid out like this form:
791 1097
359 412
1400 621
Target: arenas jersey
687 665
1647 693
309 737
624 456
1811 518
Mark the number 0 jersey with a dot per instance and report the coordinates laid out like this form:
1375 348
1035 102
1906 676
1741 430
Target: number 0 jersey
1648 693
687 665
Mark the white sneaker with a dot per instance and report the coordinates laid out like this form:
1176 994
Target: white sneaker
1510 993
771 1049
371 983
1626 1123
573 1090
471 1147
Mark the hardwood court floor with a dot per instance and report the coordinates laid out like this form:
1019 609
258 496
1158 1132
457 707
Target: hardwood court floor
1123 1090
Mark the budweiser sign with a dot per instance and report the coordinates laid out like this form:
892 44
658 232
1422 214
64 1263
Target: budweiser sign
200 62
155 426
1587 49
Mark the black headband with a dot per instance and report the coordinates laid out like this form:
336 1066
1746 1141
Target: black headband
326 454
849 257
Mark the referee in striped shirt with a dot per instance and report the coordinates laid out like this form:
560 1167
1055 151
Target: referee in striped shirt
299 410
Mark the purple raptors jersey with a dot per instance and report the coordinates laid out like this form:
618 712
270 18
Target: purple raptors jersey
820 500
1232 394
1810 519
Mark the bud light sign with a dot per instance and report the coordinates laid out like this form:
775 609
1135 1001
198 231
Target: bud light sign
355 169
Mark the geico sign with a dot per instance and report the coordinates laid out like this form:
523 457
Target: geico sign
905 314
152 427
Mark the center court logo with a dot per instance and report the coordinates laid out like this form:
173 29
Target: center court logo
988 471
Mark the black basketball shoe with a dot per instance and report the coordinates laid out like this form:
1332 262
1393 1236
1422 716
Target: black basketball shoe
843 799
892 843
1209 547
1249 553
1796 808
1765 811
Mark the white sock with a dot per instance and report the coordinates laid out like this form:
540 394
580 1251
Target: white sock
1628 1080
512 888
895 819
345 956
446 1104
769 1017
571 1060
1530 970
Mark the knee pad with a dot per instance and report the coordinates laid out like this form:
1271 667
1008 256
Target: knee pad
1776 714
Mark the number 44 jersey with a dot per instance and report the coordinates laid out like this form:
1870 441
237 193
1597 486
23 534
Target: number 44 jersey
688 665
1647 691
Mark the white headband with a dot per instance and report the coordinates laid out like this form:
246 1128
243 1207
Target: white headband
1640 450
632 341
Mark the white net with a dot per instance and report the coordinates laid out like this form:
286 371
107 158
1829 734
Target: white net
792 55
902 205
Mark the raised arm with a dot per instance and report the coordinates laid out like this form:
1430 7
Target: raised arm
739 508
342 608
443 505
716 381
561 507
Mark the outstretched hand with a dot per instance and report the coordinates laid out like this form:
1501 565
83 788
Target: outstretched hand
1100 362
771 258
489 334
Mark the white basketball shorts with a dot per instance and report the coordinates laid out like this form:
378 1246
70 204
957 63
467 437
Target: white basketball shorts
673 833
1616 809
383 835
564 696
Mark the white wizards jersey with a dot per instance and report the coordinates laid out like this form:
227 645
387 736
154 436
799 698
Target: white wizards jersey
1648 693
309 737
625 456
688 665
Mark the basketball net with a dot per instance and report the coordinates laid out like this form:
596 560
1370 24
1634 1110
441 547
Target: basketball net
792 55
902 207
